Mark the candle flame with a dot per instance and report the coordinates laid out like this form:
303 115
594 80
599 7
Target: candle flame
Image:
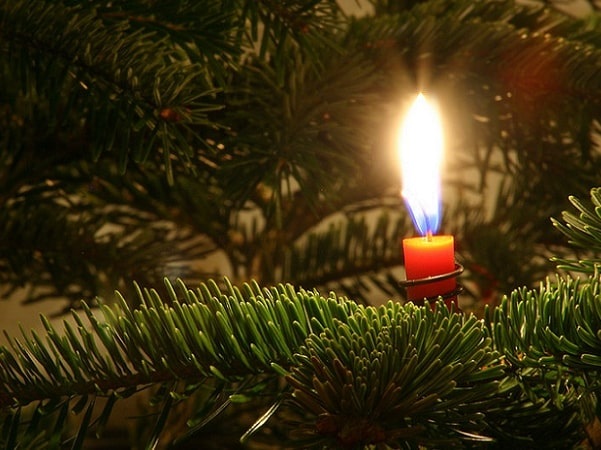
420 149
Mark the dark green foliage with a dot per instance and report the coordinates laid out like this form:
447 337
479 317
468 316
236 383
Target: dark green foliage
563 323
397 375
583 231
140 138
337 374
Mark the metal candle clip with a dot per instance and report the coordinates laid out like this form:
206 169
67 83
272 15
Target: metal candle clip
451 295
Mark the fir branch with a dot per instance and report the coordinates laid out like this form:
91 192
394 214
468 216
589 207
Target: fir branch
148 82
563 321
410 374
82 238
119 354
524 381
198 338
549 338
375 379
583 230
302 140
347 252
275 26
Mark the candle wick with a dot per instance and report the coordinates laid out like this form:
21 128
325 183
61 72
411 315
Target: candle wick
429 236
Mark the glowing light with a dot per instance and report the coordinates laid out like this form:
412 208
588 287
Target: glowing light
420 147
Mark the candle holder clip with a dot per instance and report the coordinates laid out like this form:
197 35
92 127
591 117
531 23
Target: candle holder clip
434 278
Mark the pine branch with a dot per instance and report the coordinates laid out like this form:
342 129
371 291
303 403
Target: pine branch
583 230
76 59
83 236
146 96
306 95
313 128
310 24
231 337
552 334
505 251
562 319
317 131
350 256
124 346
395 375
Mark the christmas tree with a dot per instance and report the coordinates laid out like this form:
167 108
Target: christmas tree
229 168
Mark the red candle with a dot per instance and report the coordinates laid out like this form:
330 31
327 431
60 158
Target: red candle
420 149
426 257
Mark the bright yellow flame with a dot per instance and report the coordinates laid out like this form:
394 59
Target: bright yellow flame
421 148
